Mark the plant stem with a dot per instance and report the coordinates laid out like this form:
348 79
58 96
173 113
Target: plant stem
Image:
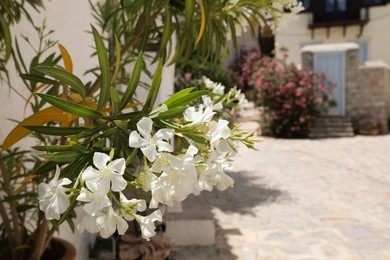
14 214
6 222
40 244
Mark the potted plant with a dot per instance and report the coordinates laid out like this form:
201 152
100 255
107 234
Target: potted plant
94 140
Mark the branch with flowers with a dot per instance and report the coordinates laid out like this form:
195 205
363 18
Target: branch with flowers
95 141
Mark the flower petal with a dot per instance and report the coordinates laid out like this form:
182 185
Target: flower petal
135 140
118 183
90 174
144 126
100 160
118 166
150 152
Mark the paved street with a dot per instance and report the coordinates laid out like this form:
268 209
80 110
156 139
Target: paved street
304 199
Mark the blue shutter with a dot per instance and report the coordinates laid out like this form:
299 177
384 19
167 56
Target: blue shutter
332 64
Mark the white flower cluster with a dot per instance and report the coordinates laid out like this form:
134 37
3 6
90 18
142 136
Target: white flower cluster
168 175
100 183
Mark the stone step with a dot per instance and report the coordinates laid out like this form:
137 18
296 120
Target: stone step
332 126
195 225
331 135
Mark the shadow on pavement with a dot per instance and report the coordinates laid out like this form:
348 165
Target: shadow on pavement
248 192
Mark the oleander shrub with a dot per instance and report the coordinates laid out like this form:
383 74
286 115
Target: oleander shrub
291 99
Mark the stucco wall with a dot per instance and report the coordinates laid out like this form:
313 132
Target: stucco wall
71 20
375 32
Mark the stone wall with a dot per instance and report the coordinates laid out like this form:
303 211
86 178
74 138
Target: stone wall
367 88
372 99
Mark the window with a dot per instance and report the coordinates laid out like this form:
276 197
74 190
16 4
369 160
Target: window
336 6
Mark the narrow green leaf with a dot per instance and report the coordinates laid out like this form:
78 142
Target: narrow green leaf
177 95
135 76
78 148
190 9
59 131
129 159
65 77
71 107
115 100
46 168
196 138
104 68
90 132
6 34
187 98
166 36
21 196
36 78
60 156
154 87
171 113
23 208
53 148
71 224
118 59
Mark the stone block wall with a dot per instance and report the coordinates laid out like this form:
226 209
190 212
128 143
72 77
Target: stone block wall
367 88
372 98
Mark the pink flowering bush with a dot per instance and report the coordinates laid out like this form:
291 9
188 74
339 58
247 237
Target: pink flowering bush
292 99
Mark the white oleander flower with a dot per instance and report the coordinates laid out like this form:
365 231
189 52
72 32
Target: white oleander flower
217 88
106 175
208 103
219 130
177 179
149 144
198 116
132 205
242 101
146 178
89 223
95 200
110 222
147 224
52 198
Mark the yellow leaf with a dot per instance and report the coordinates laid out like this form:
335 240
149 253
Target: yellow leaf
43 85
203 24
66 57
50 114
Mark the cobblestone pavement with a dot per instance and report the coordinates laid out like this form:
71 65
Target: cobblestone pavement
304 199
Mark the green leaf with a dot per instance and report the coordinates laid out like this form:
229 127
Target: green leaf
182 93
104 68
118 59
166 35
174 112
71 107
71 224
78 148
90 132
154 87
115 100
6 34
23 208
21 196
59 131
196 138
53 148
60 156
135 76
36 78
46 168
184 100
190 9
65 77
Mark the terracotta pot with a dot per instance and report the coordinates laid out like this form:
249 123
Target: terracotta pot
60 249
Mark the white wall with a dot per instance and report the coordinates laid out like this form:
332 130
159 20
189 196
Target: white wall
295 33
376 32
71 21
